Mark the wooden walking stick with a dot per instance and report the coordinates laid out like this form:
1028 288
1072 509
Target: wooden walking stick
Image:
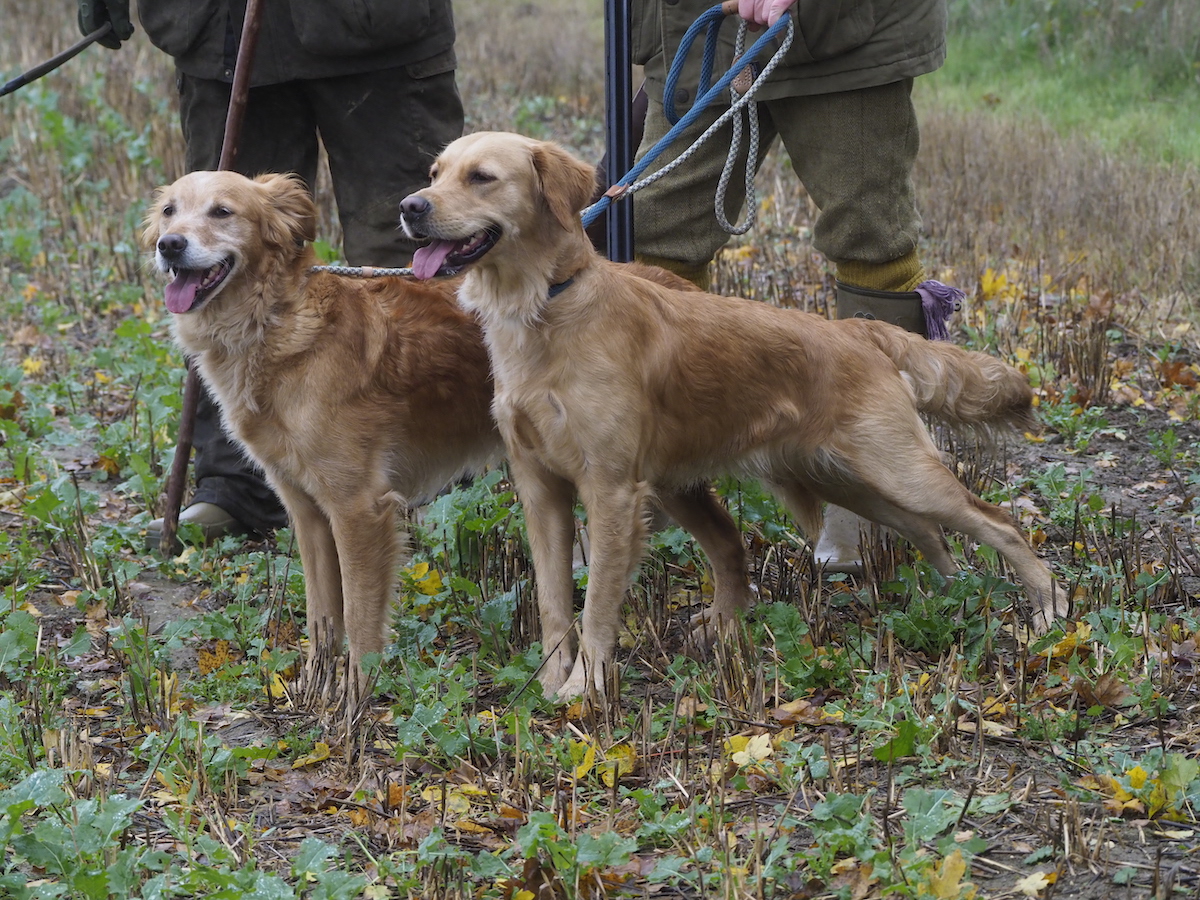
238 95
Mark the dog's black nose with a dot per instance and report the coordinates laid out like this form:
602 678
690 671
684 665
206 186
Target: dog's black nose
414 207
172 244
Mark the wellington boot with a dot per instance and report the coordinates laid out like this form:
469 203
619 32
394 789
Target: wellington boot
924 311
901 308
839 546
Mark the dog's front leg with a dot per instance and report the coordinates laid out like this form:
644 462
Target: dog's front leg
616 511
368 543
549 503
322 573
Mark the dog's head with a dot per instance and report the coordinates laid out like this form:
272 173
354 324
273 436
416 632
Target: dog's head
493 187
210 229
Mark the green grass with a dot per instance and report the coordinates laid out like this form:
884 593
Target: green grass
1112 73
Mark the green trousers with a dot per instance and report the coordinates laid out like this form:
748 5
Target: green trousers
852 151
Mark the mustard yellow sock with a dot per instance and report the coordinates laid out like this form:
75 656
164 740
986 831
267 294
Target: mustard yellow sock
698 274
902 274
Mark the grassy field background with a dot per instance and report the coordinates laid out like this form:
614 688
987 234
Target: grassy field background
893 735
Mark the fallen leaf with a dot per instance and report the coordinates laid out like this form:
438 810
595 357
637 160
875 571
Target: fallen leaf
619 760
946 883
320 753
1033 885
745 750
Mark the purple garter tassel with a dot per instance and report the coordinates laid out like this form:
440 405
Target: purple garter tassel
938 301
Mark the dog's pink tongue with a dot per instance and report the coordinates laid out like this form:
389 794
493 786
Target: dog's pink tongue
181 293
428 259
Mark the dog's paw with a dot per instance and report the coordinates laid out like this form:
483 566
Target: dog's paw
585 681
573 688
706 628
554 673
1050 609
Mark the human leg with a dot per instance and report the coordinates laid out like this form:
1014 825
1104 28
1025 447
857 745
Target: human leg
675 225
382 130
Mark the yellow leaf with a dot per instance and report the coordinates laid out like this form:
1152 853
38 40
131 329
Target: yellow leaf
470 827
32 365
277 687
1071 641
1137 778
320 753
452 799
993 708
618 761
1179 835
583 755
756 749
946 883
1033 885
426 580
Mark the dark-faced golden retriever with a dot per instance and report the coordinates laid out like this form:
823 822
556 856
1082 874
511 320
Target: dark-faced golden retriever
356 396
621 388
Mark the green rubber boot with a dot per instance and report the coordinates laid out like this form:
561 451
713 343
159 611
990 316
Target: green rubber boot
903 308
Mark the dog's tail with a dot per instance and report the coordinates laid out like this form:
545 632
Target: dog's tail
960 388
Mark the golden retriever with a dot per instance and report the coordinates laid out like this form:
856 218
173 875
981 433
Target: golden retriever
356 396
620 388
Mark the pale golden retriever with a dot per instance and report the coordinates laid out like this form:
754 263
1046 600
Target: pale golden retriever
356 396
620 388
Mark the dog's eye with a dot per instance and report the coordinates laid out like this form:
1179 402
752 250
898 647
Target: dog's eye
479 177
221 212
168 211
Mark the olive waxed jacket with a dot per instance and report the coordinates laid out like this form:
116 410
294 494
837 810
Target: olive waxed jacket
302 39
840 45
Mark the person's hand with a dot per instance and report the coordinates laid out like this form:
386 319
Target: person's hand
94 13
763 12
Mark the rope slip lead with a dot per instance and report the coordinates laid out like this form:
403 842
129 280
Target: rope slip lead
711 20
741 85
361 271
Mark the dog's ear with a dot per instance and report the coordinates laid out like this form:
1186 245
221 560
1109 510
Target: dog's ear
292 216
567 183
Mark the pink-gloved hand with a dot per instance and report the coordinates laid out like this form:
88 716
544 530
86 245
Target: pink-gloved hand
763 12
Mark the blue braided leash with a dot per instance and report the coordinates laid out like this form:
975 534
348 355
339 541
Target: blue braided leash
710 22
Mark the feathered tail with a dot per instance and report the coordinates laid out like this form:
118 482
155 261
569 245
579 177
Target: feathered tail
961 388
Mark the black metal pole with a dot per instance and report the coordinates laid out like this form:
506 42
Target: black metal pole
618 93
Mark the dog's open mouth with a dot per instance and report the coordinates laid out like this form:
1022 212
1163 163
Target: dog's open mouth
448 257
192 287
